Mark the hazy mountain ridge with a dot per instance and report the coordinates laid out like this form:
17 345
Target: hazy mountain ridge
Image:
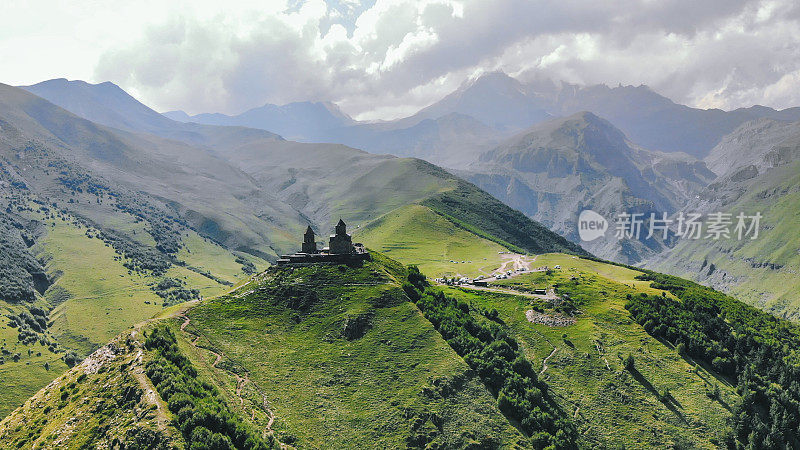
452 140
495 99
451 132
299 120
507 106
554 170
107 104
759 167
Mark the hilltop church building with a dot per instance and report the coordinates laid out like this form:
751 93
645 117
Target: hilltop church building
340 249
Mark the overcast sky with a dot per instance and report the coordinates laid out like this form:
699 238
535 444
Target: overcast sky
385 59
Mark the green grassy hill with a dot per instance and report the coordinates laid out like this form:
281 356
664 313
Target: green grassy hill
343 359
370 356
581 361
316 356
103 228
416 234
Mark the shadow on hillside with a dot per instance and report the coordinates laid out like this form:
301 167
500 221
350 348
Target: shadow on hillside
726 380
669 401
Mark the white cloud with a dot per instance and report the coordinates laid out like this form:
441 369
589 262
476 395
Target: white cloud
386 58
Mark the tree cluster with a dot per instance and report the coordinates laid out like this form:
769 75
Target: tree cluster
201 414
17 266
247 266
757 350
31 326
496 358
173 291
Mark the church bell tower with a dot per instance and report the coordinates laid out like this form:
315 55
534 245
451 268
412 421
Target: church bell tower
309 243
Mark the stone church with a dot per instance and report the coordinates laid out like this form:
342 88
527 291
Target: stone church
340 249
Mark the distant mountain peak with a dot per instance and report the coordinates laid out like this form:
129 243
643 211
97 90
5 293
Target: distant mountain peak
493 98
64 82
177 115
497 82
104 103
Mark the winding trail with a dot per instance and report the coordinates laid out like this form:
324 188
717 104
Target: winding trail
185 322
240 383
544 363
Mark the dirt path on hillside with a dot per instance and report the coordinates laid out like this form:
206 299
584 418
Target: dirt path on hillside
544 363
185 322
551 295
240 384
517 261
150 395
499 290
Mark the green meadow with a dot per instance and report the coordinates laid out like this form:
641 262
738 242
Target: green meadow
414 234
583 362
352 365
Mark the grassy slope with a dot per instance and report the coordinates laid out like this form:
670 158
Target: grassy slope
111 398
474 210
326 390
415 234
206 255
742 267
23 378
95 297
329 391
104 298
610 406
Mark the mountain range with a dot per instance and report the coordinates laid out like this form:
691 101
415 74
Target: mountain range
505 106
105 224
137 280
623 156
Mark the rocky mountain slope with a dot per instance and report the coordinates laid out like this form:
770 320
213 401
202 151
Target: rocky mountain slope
759 166
553 171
